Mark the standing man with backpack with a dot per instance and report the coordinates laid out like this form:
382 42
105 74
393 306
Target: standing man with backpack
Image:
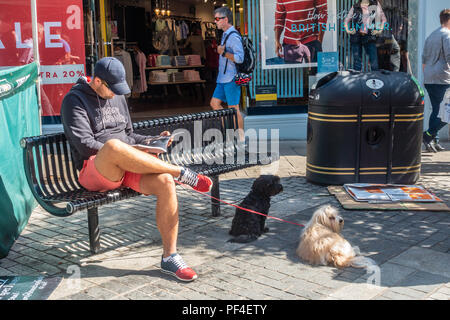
231 52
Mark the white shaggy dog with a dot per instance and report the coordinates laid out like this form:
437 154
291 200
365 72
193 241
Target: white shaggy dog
321 242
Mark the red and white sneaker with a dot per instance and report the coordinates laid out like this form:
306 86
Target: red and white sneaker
197 181
176 267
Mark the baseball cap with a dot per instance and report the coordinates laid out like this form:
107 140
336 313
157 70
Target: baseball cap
111 70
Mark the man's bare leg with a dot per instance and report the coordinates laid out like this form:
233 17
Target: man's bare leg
240 121
116 157
163 186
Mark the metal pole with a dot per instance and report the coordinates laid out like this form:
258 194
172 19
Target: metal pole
37 59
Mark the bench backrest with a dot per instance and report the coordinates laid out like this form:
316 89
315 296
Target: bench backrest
197 130
48 161
48 165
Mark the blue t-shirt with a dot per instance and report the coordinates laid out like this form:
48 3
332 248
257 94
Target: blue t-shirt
234 46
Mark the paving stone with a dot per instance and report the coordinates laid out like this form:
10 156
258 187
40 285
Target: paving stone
426 260
357 291
411 248
423 281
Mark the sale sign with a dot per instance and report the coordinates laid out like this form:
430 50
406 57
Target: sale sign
60 39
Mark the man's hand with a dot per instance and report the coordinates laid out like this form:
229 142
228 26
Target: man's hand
220 49
377 32
166 133
279 49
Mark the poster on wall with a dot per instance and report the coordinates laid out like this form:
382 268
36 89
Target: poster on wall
294 31
61 45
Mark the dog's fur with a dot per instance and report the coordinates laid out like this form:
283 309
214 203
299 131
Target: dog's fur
321 242
247 226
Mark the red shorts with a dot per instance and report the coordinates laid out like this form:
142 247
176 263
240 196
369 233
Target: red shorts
92 180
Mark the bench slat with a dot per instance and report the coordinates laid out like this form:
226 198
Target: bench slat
53 177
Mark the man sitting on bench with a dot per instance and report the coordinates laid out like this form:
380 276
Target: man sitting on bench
98 127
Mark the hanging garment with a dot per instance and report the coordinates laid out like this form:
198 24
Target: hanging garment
165 42
141 61
178 32
125 58
197 45
184 30
160 24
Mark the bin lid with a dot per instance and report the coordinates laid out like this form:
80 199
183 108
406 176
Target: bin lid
371 89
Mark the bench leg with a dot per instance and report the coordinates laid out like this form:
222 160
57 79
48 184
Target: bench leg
215 192
94 231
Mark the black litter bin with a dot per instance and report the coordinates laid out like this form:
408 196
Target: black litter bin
365 127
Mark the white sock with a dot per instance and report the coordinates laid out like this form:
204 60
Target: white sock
167 258
181 173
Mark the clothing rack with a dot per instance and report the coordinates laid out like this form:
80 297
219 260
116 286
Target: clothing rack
177 18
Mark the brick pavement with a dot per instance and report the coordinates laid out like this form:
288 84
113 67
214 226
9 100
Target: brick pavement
410 248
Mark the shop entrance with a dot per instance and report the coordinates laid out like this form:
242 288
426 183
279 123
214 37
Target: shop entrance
168 48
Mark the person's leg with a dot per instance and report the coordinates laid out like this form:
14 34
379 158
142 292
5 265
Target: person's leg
371 51
116 157
233 97
357 56
395 59
215 104
436 92
163 187
218 97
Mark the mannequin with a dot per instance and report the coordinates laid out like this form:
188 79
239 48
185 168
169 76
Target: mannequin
367 19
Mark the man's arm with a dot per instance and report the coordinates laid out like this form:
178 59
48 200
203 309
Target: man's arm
278 46
446 47
322 8
280 17
135 137
77 127
234 42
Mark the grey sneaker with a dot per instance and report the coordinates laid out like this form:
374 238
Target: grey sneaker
176 267
197 181
428 143
437 145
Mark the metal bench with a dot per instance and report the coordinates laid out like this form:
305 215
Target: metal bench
52 176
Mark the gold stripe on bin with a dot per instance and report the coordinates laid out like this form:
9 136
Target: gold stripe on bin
330 168
331 173
334 115
363 171
329 120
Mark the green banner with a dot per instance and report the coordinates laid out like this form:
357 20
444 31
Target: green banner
19 117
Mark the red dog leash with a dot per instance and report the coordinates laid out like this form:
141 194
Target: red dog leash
248 210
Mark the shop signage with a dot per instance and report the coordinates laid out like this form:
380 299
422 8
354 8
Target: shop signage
293 32
327 62
61 44
266 96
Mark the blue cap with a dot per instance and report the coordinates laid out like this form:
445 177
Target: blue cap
112 72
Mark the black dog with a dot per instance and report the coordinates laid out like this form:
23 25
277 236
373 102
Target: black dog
247 226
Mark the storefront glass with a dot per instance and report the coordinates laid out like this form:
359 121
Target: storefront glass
60 38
